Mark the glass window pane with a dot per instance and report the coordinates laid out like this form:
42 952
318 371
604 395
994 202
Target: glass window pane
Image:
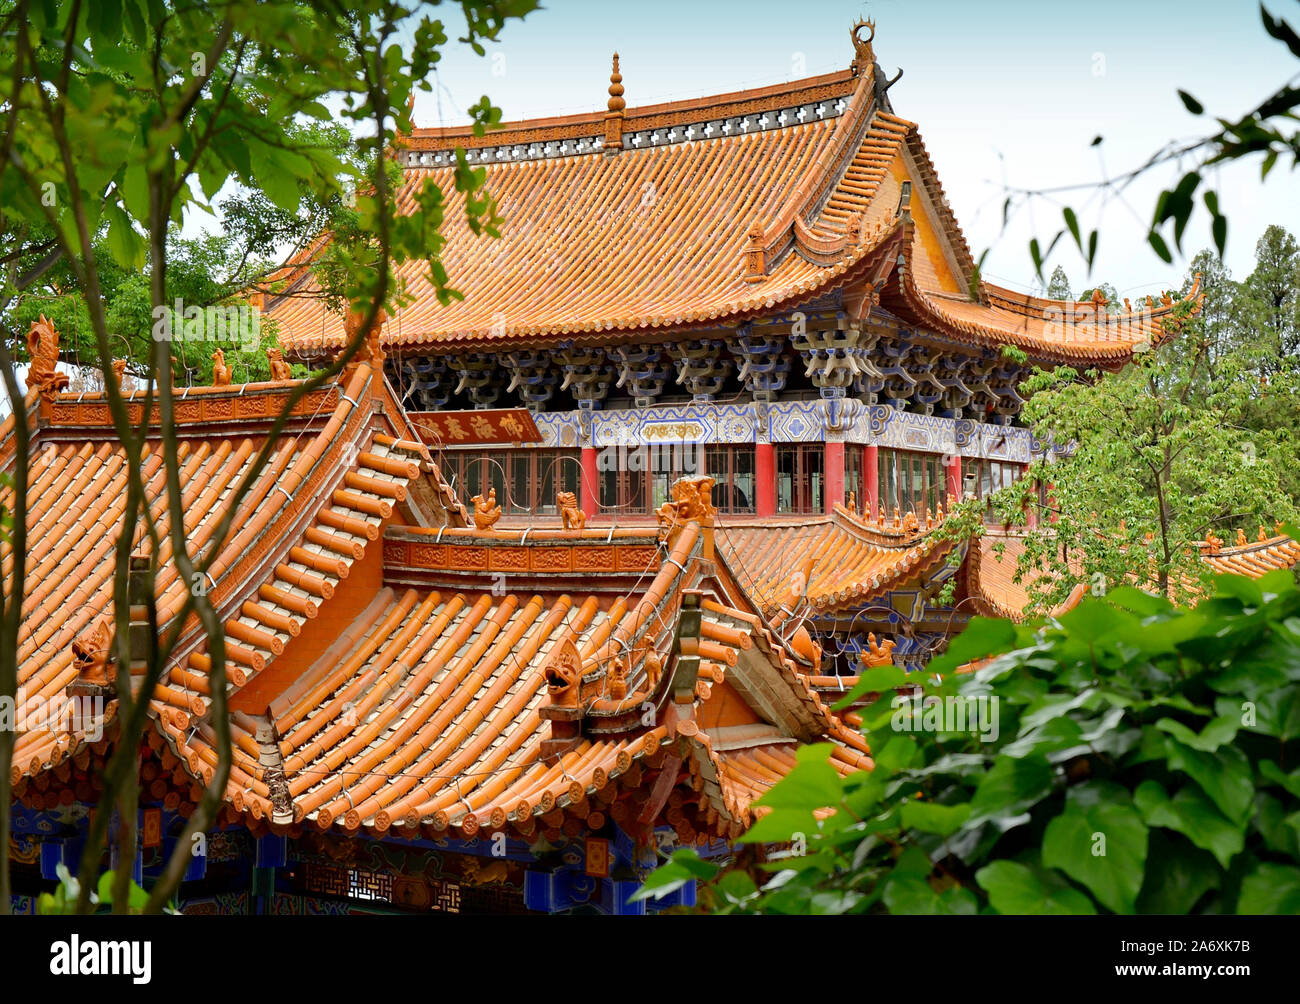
814 458
742 481
785 479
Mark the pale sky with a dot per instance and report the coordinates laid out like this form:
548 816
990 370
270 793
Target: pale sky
1006 92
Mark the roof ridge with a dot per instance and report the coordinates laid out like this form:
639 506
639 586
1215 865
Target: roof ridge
665 113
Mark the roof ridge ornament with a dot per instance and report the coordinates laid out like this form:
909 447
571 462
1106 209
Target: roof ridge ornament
43 355
614 117
863 54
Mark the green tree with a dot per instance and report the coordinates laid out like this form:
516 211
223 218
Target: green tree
1128 758
1270 301
115 120
1157 459
1058 287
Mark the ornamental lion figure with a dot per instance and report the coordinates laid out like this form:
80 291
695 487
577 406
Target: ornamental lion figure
220 371
279 368
573 517
692 500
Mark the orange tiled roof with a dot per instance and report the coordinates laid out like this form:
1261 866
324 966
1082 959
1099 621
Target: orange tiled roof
700 232
846 561
434 719
284 547
1014 318
646 240
991 578
360 705
1254 559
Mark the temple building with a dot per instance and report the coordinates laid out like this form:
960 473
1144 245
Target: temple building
427 713
768 287
707 399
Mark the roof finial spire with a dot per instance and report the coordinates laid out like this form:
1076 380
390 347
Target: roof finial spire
614 117
863 56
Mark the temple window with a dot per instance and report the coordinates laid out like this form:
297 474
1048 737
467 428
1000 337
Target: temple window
855 475
912 482
732 469
985 477
526 481
637 480
799 478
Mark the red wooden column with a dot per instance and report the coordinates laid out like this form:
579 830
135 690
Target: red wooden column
954 479
871 471
834 475
590 482
765 479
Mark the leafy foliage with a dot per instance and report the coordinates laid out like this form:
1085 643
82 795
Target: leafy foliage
64 898
1197 436
1144 762
119 119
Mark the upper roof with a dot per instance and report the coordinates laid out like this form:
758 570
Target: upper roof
700 214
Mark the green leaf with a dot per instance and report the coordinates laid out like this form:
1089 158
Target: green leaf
878 679
1272 772
1269 160
930 817
983 636
1224 775
683 867
1278 713
1215 734
126 245
909 895
1191 104
1178 875
1072 222
1015 889
1160 247
812 784
1272 889
1013 785
1194 816
1100 841
1281 832
1095 619
736 886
